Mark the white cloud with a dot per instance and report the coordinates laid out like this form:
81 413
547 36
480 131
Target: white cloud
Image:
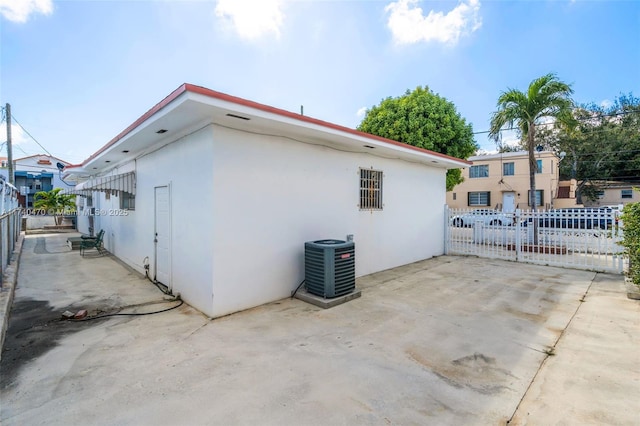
251 19
18 136
20 10
409 25
511 140
606 104
361 112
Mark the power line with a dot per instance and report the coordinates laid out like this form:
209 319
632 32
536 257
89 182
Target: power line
601 153
20 148
30 135
577 119
610 176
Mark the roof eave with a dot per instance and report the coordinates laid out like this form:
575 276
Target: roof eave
424 156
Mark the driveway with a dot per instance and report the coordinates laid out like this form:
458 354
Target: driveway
450 340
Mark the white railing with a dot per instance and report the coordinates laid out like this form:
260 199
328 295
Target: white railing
574 238
10 215
8 197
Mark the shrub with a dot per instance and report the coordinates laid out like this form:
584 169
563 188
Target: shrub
631 240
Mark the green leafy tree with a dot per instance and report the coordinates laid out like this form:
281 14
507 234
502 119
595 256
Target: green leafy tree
424 119
600 143
631 241
509 148
54 203
546 97
603 143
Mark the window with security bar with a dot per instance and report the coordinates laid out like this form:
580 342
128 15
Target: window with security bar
370 189
127 201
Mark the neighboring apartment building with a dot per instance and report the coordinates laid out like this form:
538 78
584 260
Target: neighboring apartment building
501 181
614 193
37 173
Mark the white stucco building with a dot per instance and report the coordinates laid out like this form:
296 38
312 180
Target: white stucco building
218 195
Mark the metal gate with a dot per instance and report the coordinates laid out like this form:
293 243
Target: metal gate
581 238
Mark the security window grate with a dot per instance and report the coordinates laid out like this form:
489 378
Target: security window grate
127 201
539 198
481 198
370 189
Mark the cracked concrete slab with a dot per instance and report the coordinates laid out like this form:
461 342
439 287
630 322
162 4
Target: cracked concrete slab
594 376
450 340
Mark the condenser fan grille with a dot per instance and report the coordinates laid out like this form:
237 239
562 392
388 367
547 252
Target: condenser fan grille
330 267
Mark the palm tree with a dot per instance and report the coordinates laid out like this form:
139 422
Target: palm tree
546 97
54 202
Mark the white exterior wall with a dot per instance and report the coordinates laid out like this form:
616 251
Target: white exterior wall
242 206
82 219
185 166
272 194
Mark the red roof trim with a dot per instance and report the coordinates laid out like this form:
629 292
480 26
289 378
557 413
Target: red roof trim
262 107
240 101
39 155
166 101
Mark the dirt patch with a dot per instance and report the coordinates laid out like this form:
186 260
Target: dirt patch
34 328
477 371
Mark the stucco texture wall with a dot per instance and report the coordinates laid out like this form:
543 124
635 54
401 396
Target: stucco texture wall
185 167
272 194
243 205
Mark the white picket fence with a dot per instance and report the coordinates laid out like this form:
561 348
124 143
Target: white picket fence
573 238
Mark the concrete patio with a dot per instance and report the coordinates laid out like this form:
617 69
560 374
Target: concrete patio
450 340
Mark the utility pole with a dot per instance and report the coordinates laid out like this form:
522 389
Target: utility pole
7 111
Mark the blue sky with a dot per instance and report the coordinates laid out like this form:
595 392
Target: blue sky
78 72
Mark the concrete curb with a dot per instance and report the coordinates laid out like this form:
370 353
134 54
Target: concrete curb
8 289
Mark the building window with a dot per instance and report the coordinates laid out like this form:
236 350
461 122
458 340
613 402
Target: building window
539 197
127 201
454 196
482 198
479 171
626 193
539 166
508 169
600 194
370 189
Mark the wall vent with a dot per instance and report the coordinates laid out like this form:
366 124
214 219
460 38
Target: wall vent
329 267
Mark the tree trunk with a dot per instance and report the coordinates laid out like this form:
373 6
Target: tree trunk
579 191
574 164
533 167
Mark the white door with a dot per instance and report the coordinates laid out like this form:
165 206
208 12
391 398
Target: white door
162 236
508 202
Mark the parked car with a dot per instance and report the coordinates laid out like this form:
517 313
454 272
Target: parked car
575 218
486 216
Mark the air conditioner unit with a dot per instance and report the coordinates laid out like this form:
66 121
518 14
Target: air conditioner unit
329 267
